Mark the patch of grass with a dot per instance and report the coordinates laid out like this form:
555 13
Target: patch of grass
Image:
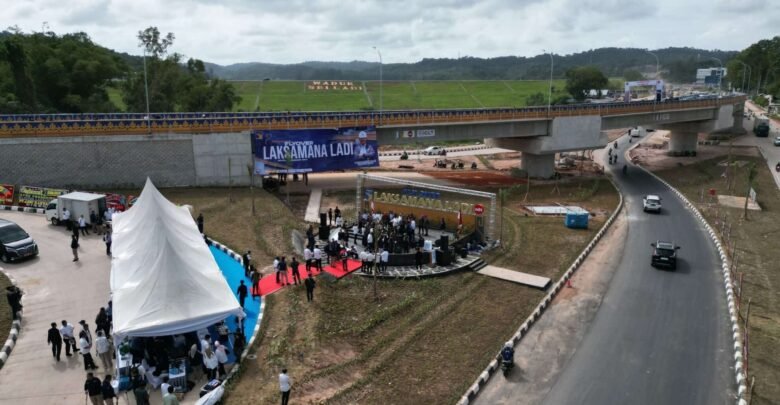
757 257
115 96
281 95
6 316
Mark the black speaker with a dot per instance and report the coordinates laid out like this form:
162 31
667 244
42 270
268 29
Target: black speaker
443 257
323 219
444 242
324 232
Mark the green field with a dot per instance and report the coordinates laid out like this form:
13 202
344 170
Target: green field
397 95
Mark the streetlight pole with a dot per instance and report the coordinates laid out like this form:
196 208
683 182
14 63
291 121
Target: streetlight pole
657 64
146 90
549 97
745 67
380 83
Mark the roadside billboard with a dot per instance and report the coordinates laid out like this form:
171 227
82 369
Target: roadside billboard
6 194
38 197
314 150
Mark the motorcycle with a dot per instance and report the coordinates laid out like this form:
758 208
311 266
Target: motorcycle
506 366
507 359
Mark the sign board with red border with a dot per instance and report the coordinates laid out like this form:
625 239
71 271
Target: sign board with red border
479 209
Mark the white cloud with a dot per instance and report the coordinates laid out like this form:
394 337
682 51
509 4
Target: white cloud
290 31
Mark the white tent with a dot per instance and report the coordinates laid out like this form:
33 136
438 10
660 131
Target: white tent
164 279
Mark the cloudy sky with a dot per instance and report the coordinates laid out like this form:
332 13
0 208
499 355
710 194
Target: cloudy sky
291 31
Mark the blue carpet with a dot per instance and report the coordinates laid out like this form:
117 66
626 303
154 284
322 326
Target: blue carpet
234 273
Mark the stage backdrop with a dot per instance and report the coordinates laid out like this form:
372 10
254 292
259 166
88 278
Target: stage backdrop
314 150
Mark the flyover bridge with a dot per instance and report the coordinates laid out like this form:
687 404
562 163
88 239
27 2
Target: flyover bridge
35 125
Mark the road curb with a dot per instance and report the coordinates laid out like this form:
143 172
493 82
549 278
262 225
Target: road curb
22 209
728 285
483 378
237 257
16 328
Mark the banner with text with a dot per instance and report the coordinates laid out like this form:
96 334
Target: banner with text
38 197
314 150
6 194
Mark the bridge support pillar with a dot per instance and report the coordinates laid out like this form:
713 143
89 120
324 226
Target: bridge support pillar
683 141
540 166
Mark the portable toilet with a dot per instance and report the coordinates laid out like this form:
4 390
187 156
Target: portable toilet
577 220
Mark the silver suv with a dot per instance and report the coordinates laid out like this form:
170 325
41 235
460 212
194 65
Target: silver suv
651 203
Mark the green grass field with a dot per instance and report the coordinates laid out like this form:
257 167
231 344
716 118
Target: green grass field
396 95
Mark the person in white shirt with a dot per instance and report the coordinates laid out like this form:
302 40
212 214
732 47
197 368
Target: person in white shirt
370 261
317 256
103 347
370 240
66 218
222 358
383 257
83 226
84 347
339 221
285 384
205 343
164 387
211 363
307 256
68 338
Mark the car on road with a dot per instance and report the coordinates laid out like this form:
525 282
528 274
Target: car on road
664 254
15 243
777 141
651 203
434 150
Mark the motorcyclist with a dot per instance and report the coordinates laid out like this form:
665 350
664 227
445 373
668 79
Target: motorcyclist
508 354
625 169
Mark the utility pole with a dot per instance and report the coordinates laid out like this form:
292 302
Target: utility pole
146 90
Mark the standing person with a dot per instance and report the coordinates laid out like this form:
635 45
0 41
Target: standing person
66 219
284 386
317 257
138 383
310 284
255 282
93 220
283 270
109 395
247 259
222 359
164 387
210 363
108 239
85 348
83 226
170 398
337 212
68 338
276 268
383 259
294 266
85 330
93 388
418 259
307 255
74 247
199 221
55 340
344 259
103 348
102 322
330 216
14 296
74 227
242 293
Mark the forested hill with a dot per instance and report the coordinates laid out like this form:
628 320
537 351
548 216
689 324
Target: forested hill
679 63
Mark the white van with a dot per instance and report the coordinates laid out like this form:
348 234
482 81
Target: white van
78 204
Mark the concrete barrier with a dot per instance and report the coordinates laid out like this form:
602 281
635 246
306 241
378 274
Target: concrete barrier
543 304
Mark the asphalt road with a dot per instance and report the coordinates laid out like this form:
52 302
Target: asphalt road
659 336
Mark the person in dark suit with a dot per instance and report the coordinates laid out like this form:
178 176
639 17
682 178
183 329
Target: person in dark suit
242 293
418 259
200 222
310 284
55 340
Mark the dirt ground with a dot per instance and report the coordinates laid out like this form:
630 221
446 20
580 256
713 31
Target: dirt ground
348 347
652 153
6 317
754 243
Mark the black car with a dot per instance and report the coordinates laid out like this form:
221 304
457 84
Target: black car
664 254
15 243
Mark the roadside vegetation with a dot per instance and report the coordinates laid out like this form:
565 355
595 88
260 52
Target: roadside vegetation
756 256
347 347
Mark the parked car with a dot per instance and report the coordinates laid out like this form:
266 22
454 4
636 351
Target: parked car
15 243
434 150
651 202
777 141
664 254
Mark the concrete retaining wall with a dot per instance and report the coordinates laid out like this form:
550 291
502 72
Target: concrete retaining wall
171 160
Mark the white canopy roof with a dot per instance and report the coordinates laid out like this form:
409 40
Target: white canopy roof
164 279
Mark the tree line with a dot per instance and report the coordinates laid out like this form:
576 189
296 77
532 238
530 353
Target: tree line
42 72
757 68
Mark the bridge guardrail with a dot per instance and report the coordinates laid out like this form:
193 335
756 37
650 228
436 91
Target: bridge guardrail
130 123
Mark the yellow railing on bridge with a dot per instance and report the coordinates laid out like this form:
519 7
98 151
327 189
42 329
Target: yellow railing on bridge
47 125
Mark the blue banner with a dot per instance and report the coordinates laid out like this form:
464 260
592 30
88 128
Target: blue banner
314 150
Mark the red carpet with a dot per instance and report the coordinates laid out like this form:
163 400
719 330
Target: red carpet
268 283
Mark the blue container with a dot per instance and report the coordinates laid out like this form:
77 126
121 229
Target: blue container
577 220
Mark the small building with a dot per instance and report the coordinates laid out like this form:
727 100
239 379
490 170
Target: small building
710 76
